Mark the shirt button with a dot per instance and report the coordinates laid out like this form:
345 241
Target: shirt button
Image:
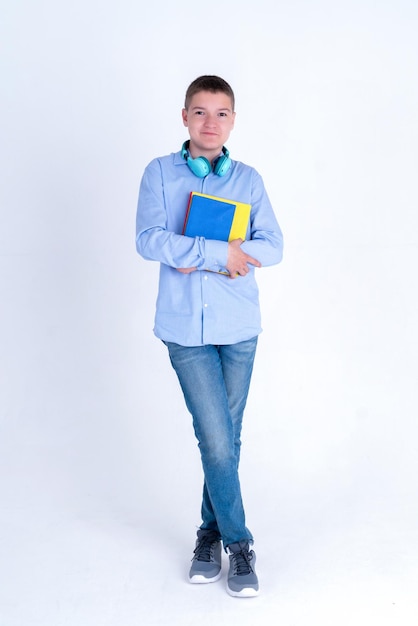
205 305
206 277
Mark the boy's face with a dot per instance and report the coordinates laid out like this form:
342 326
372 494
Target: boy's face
210 119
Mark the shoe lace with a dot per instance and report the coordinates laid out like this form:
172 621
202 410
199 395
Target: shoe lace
205 548
241 561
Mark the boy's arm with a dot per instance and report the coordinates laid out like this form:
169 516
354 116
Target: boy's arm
237 261
153 240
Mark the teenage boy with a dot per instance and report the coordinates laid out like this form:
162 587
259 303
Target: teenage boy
210 321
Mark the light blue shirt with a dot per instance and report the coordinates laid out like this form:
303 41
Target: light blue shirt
203 307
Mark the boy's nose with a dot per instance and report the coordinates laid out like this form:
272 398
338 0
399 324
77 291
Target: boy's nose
210 120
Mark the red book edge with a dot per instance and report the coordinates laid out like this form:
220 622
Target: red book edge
187 212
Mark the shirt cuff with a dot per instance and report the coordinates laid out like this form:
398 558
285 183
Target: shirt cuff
216 254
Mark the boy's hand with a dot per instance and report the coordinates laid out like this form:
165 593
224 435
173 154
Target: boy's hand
237 263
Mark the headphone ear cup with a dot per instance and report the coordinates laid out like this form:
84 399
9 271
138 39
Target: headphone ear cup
200 166
222 165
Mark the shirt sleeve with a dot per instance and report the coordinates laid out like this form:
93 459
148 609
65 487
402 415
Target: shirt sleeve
156 243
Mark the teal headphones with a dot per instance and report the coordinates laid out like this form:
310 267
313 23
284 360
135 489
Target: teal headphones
201 166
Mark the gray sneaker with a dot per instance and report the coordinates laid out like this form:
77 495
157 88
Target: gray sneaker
207 559
242 579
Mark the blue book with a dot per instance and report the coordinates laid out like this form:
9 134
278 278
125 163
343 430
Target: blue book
212 217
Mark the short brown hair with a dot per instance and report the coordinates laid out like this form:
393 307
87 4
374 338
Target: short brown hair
209 83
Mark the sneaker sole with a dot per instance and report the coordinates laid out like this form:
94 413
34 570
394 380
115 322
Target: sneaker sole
199 579
247 592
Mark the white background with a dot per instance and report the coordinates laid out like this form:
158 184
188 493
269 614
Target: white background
100 474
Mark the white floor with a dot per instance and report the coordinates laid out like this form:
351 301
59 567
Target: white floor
84 543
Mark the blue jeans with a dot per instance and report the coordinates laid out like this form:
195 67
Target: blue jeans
215 381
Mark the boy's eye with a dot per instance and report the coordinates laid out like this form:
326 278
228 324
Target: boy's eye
220 114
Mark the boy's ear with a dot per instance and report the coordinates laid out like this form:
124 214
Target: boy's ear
184 116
